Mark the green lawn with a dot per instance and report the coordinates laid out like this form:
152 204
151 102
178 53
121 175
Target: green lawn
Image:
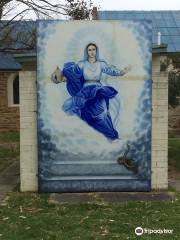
9 148
174 152
8 152
32 217
26 216
9 136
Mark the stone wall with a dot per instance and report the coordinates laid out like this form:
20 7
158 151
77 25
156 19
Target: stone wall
28 142
9 115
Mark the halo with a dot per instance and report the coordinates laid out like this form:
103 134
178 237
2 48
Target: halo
82 38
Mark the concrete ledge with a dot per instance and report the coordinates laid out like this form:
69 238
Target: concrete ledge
109 197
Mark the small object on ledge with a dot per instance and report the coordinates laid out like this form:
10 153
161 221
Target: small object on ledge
128 163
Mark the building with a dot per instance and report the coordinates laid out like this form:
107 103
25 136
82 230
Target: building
167 23
166 42
9 72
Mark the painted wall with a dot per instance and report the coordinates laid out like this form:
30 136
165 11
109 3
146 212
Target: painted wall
29 159
85 126
28 133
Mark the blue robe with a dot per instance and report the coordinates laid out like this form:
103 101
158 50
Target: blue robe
90 102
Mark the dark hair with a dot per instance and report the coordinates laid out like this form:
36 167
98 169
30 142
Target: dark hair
91 44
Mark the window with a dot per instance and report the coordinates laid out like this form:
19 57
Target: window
16 90
13 90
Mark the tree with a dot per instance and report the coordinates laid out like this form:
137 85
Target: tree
174 82
78 10
18 35
172 66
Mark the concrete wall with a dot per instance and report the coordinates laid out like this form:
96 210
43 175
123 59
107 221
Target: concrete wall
28 131
28 127
159 126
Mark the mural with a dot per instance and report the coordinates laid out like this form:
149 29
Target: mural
94 105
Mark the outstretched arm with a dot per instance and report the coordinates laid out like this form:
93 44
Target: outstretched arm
57 76
114 71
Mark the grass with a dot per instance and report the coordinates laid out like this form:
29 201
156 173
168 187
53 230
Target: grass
174 134
174 152
26 216
8 152
9 148
32 217
7 157
9 136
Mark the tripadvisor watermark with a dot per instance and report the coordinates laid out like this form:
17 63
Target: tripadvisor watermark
140 231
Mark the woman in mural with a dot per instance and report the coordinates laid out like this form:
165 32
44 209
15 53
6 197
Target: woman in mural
89 98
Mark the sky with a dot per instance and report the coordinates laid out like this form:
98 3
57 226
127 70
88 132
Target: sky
109 5
138 4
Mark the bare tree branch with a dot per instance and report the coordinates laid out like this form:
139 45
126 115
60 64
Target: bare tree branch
14 35
7 23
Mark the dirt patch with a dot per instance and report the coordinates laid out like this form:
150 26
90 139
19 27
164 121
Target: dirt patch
6 162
